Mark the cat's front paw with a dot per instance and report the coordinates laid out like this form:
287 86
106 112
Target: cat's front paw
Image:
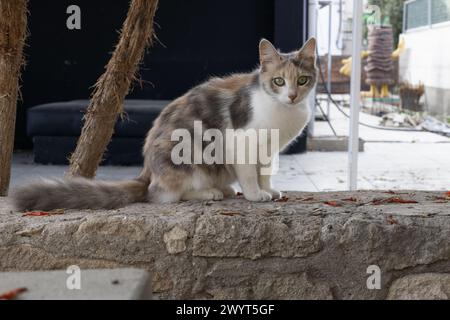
259 196
276 195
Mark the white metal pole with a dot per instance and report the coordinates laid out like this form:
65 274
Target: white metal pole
330 66
355 95
312 29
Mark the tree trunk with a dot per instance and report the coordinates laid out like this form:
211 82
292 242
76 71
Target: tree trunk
13 30
112 87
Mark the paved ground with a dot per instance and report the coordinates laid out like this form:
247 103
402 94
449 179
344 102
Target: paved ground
392 160
382 166
77 284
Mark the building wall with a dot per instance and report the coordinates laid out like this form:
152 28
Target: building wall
426 60
197 40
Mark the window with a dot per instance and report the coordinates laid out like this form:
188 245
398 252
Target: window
440 11
417 14
422 13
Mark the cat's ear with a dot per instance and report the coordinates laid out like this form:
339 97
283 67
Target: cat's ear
267 53
309 48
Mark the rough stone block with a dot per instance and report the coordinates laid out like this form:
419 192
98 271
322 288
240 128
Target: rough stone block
304 248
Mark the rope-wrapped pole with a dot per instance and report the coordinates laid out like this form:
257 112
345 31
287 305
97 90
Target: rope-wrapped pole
110 90
13 31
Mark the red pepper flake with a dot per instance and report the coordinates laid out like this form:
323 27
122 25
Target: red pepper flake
377 202
282 199
400 200
391 220
11 295
36 214
43 213
333 203
444 199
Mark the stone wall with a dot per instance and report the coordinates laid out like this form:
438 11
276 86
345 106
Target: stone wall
299 249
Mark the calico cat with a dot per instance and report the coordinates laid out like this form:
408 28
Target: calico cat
272 97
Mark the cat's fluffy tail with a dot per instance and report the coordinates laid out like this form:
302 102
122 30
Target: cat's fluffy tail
78 193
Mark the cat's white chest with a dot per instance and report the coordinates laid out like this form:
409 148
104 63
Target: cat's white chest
268 114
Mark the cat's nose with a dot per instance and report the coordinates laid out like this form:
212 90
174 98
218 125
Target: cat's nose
293 96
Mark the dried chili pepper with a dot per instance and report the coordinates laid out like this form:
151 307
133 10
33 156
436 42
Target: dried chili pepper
11 295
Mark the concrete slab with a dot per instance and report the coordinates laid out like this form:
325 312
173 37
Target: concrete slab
79 284
331 144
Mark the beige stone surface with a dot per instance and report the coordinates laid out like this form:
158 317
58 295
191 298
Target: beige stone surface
299 249
427 286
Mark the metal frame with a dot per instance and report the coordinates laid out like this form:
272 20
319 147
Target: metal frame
430 8
313 12
404 15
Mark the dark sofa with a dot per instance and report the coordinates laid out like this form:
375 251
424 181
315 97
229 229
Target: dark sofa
55 128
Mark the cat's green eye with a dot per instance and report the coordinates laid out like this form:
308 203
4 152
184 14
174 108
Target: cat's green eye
279 81
303 80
